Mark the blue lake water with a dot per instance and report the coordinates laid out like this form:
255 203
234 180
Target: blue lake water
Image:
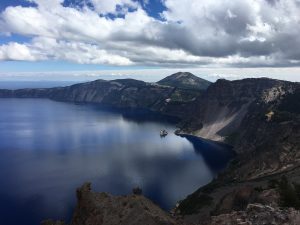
48 149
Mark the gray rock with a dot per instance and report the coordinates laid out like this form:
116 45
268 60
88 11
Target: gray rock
258 214
105 209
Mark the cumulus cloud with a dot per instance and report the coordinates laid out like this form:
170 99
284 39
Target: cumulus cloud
111 6
15 51
42 48
239 33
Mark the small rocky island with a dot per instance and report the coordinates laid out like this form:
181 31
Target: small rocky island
259 117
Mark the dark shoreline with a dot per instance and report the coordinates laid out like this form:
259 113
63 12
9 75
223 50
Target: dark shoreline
263 146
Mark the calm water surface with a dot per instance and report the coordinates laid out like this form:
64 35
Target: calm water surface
48 149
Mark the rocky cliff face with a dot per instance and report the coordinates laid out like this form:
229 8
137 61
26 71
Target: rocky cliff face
258 214
276 196
222 108
260 118
242 205
123 93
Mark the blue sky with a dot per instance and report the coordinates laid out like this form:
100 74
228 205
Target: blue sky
153 9
6 3
147 35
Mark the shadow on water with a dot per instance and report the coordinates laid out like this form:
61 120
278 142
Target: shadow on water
10 208
135 115
59 146
215 154
29 212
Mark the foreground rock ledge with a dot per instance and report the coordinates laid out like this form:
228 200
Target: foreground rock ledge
104 209
258 214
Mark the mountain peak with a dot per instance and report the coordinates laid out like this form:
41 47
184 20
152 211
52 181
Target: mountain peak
185 80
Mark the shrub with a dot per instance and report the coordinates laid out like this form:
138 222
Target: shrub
193 203
289 193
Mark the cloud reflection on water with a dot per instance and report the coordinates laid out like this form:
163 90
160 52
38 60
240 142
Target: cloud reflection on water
47 149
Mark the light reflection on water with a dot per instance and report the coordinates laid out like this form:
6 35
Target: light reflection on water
48 149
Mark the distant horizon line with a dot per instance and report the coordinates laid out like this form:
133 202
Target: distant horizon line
151 75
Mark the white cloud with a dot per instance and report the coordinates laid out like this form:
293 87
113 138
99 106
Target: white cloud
110 6
49 48
237 33
25 21
15 51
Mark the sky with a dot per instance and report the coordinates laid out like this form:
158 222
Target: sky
87 39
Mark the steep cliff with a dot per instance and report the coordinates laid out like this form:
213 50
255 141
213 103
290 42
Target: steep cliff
260 118
222 108
122 93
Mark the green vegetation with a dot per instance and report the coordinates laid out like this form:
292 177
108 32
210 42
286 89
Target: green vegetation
291 103
234 162
210 187
193 203
259 189
182 95
272 183
289 192
282 116
230 139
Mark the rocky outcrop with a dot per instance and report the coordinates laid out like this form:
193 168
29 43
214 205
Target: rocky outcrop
258 214
105 209
185 80
279 191
243 206
224 106
237 112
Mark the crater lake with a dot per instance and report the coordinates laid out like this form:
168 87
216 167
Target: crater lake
48 149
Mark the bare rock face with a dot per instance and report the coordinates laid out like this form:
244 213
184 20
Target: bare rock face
105 209
258 214
235 112
226 104
269 197
239 199
236 200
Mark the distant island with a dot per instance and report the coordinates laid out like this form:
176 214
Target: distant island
259 117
